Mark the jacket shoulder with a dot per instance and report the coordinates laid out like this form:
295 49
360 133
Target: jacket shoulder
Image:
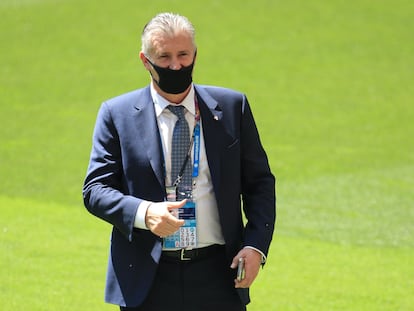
132 97
217 91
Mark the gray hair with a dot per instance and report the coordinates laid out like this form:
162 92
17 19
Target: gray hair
165 24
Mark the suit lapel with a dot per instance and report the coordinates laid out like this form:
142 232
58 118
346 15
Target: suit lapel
146 123
211 115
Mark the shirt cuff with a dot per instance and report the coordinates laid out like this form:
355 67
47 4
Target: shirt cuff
139 221
259 251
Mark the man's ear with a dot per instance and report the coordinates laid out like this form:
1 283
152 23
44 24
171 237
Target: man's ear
144 60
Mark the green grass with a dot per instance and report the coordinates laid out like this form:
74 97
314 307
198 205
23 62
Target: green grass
330 83
52 256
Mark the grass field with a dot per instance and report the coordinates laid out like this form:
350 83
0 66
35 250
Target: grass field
331 86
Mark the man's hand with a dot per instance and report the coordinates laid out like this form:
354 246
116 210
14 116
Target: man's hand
252 262
160 220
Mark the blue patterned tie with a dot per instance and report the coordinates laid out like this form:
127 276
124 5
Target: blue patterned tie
180 146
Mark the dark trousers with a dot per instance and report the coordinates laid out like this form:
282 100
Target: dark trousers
201 285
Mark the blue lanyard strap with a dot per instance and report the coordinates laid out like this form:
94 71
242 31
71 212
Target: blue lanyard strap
197 141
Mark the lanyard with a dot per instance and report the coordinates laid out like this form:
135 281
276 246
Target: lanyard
195 141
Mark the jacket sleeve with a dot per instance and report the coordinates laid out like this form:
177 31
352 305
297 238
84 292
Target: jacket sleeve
102 189
257 185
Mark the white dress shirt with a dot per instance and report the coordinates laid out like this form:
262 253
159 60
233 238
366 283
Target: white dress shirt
208 225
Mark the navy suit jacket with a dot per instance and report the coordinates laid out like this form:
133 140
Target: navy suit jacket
127 166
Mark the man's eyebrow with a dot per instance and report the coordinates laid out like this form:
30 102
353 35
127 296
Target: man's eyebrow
163 54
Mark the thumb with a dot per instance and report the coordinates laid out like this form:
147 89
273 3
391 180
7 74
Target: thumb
178 204
235 262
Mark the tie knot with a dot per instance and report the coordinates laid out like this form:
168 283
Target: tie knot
177 110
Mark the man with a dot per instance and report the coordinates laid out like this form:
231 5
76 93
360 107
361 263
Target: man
178 231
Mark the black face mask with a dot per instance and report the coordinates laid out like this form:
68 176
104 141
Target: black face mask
173 81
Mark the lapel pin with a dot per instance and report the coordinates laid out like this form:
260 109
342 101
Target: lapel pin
216 118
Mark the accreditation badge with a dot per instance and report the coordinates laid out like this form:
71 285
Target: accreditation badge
186 236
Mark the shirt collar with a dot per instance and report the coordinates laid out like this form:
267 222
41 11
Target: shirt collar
160 103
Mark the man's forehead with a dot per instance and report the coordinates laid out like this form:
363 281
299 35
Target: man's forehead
162 42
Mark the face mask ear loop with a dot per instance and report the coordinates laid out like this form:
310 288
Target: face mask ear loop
150 62
152 65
